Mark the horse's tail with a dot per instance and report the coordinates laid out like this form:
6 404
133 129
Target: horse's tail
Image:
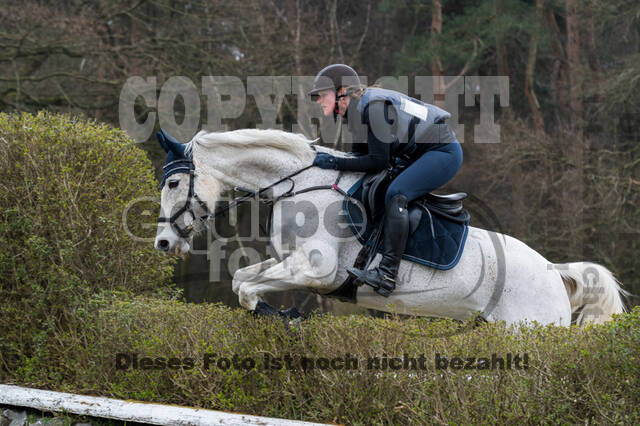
593 290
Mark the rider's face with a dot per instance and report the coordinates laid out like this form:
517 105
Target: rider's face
327 100
343 102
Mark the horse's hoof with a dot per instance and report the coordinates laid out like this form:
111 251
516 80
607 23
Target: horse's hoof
291 313
264 309
295 322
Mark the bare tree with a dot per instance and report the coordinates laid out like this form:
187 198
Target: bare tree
575 66
529 74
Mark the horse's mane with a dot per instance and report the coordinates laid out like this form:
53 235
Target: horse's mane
293 143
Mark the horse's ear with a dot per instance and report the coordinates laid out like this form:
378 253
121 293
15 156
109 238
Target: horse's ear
162 141
169 143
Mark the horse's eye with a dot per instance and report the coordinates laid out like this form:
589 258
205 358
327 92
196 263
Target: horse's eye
173 184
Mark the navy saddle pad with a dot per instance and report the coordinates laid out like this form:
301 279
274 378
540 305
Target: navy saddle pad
439 247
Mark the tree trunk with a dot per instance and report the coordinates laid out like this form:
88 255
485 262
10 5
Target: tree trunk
576 143
575 68
531 63
436 63
501 50
558 85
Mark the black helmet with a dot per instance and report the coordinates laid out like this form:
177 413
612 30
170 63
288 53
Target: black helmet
334 77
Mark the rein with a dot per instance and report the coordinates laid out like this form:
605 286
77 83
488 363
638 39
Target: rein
288 194
186 208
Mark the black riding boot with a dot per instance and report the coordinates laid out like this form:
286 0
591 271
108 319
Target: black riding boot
394 239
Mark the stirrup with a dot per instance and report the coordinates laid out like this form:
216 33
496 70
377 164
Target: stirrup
386 291
356 274
383 288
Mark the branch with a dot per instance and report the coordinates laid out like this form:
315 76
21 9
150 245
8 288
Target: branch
124 12
283 18
67 75
366 29
466 66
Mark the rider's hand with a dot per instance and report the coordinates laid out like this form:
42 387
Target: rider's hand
325 161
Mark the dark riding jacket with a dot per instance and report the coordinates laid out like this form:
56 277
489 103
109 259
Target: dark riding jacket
385 124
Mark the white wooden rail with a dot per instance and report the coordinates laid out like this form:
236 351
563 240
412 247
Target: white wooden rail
157 414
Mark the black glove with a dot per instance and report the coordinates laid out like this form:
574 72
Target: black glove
325 161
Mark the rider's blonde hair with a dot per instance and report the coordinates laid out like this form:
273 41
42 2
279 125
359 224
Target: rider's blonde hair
357 91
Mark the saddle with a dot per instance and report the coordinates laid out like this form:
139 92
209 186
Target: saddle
374 188
437 246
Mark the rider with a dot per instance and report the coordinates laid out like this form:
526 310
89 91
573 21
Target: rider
398 131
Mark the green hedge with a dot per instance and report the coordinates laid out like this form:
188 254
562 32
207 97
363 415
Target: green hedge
573 376
69 270
64 185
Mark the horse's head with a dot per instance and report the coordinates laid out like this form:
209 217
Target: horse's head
186 199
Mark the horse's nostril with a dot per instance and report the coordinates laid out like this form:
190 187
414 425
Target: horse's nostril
163 245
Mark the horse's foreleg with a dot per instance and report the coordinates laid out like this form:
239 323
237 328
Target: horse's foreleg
304 268
249 273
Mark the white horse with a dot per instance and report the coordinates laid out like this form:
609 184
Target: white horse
498 275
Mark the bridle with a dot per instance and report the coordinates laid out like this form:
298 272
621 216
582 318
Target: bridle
188 166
